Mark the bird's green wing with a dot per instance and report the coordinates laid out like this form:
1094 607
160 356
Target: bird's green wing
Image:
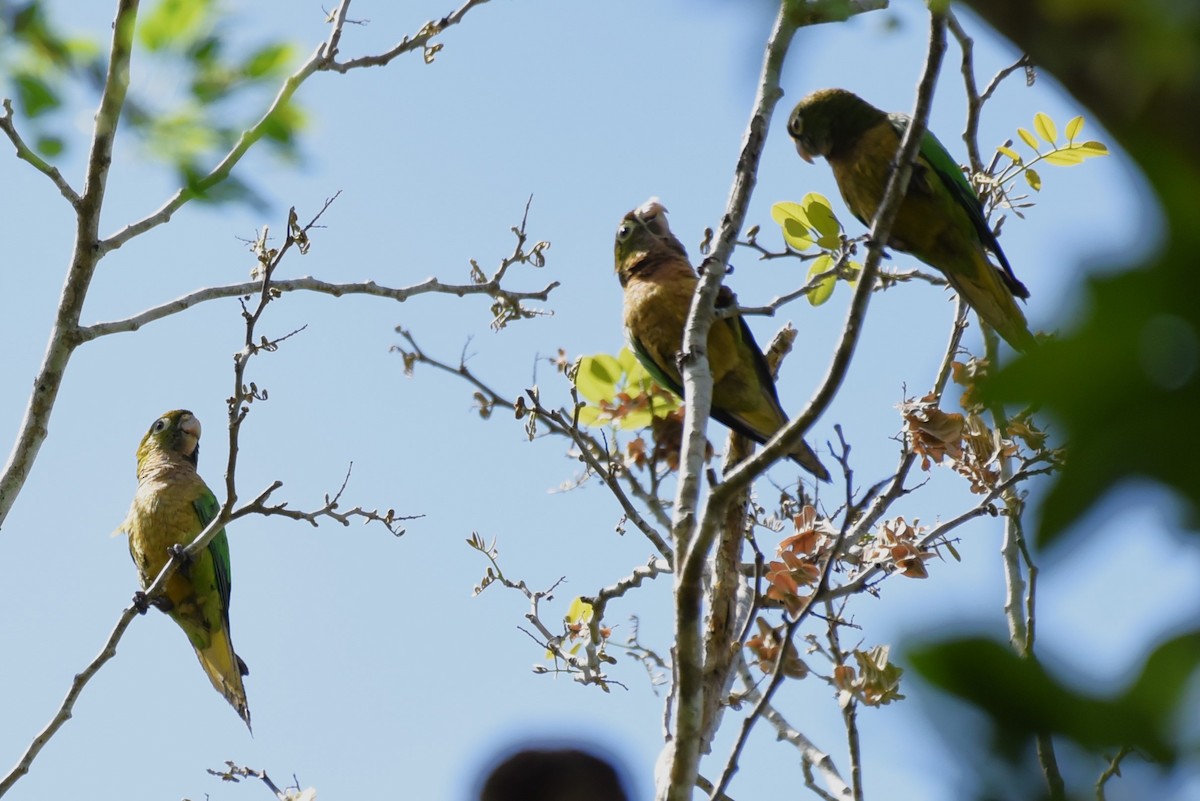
951 176
207 509
664 379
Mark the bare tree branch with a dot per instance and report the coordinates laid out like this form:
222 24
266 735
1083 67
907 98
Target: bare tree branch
25 153
85 255
563 424
682 756
406 45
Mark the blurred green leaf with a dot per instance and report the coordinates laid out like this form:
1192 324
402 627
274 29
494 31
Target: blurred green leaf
597 377
174 23
282 126
1028 138
268 61
1023 700
1161 688
34 96
49 146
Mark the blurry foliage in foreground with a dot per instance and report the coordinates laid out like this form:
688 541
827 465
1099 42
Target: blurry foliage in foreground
51 73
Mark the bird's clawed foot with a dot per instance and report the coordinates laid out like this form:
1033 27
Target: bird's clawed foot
179 553
142 602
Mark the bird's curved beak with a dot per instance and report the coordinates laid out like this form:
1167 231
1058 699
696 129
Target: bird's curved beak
804 154
190 425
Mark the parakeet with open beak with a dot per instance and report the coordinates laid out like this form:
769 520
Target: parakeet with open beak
171 507
659 282
940 221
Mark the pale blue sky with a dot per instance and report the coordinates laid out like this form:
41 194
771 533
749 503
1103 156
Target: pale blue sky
373 671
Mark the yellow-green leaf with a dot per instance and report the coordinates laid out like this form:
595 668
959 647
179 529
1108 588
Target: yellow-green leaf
1065 158
636 376
1073 128
1093 148
580 611
821 219
823 290
792 219
1035 180
634 420
1029 138
1045 127
1012 154
796 235
785 210
597 377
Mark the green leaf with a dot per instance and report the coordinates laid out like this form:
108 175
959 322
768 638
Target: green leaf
1022 699
794 222
824 289
1045 127
635 420
49 146
822 220
796 235
171 22
1093 148
1073 128
267 61
1035 180
1028 138
282 126
636 376
597 377
1012 154
34 95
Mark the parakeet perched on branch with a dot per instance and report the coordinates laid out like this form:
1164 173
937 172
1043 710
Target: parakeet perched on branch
171 507
659 283
940 222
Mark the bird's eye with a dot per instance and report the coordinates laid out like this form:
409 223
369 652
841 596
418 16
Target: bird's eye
624 231
159 425
796 126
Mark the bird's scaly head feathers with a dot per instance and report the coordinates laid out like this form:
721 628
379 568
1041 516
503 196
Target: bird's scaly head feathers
644 240
174 433
829 121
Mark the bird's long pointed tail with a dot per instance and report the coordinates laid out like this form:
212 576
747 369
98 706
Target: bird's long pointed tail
225 670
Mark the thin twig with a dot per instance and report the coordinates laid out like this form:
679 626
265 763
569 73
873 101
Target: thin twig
25 153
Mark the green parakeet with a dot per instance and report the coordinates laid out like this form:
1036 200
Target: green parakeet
658 280
940 221
173 505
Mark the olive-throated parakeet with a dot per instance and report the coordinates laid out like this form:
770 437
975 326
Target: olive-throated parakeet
659 282
940 221
171 507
